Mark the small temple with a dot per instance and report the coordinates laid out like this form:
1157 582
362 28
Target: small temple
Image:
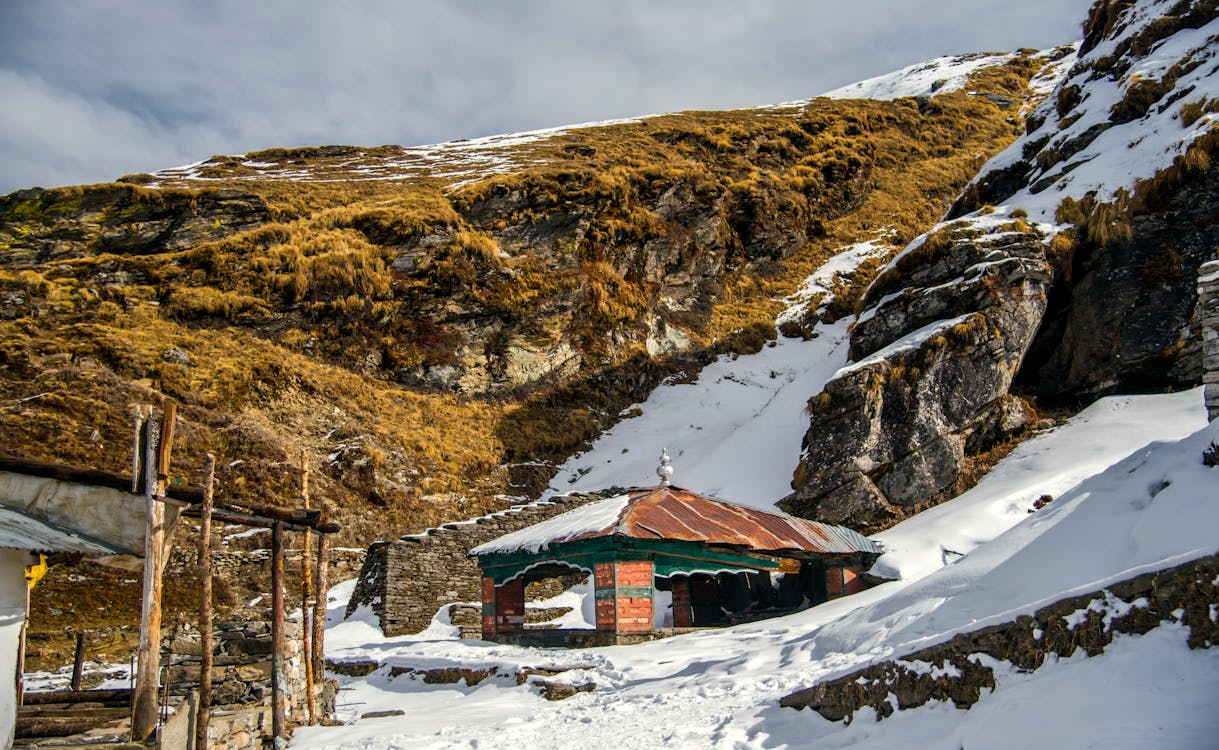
664 559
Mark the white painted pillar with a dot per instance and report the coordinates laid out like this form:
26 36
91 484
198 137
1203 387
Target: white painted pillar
12 617
1208 302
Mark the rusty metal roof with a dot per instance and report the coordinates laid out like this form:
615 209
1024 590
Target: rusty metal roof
675 513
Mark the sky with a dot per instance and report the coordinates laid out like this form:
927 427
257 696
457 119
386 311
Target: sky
92 90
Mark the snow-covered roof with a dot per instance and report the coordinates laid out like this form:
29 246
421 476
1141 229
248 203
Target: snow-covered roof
678 514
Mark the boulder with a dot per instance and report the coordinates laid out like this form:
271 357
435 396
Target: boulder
890 432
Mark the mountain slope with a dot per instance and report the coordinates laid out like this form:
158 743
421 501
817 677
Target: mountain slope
438 327
1068 269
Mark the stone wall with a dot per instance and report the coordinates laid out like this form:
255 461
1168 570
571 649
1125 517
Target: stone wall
241 681
1208 304
406 581
955 671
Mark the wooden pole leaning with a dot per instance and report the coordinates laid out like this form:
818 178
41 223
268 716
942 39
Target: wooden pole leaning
78 662
279 683
203 716
308 606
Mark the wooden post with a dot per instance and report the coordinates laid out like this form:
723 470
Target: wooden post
203 714
137 449
78 663
144 702
319 609
279 729
307 613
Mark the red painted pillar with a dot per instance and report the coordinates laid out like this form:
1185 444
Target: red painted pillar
852 579
683 616
844 579
834 587
488 609
510 606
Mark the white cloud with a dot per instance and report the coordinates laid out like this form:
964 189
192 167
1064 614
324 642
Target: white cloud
160 82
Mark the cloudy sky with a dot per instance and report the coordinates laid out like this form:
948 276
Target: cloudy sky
93 89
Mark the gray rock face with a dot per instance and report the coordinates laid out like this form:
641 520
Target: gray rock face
935 362
1126 318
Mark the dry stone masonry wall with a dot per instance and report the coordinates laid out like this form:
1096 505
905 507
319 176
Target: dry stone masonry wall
961 668
1208 304
404 582
241 682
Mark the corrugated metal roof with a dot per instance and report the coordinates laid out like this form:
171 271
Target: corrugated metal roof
674 513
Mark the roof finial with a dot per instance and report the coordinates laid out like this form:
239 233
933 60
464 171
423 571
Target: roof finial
665 470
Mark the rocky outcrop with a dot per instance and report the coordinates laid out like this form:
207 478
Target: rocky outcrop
936 352
1078 282
1124 317
37 226
961 669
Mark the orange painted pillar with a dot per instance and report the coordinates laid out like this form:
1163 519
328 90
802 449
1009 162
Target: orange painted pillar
605 591
634 596
852 579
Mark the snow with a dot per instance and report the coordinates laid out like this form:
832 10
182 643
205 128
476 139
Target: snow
735 431
909 342
719 688
817 287
938 76
1110 427
598 516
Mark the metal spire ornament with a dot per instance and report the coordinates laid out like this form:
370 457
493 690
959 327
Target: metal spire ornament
665 470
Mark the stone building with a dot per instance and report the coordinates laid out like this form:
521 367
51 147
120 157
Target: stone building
405 581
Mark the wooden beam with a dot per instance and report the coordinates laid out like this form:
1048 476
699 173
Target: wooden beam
93 477
144 705
307 517
245 519
279 682
203 715
169 418
79 696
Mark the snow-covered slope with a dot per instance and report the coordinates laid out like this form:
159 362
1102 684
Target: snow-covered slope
940 75
720 688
